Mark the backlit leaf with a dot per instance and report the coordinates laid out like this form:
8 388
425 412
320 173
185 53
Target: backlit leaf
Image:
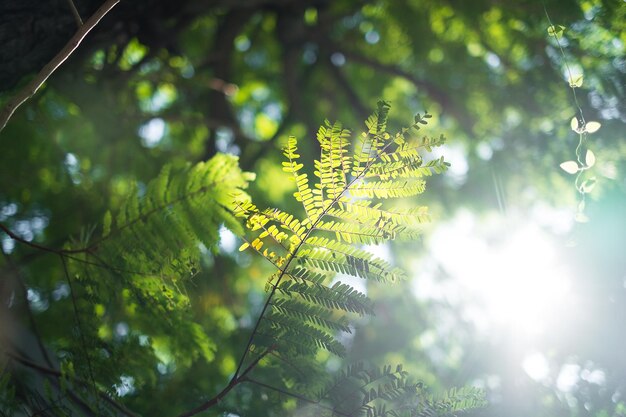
576 81
590 158
571 167
592 127
555 30
588 185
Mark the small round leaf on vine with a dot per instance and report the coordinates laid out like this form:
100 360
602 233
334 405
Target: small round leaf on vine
571 167
590 158
592 127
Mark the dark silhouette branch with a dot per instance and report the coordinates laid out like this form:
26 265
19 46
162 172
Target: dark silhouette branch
78 325
17 238
236 380
53 372
430 89
350 93
31 89
297 396
77 18
93 246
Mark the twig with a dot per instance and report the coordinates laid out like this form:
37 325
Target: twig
232 384
15 237
58 374
350 93
296 395
431 90
79 21
78 324
29 90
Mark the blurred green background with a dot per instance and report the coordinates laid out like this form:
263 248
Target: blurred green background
508 291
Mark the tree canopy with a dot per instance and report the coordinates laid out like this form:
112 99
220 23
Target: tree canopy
163 100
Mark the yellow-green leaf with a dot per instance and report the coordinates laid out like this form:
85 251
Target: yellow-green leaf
555 30
588 185
244 246
576 81
571 167
590 158
574 124
592 127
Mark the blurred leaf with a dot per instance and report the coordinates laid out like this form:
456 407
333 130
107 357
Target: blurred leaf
581 217
592 127
590 158
588 185
556 30
571 167
576 81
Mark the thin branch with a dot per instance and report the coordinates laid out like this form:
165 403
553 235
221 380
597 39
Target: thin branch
15 237
232 384
53 372
431 90
296 395
288 362
77 18
350 93
29 90
78 324
94 245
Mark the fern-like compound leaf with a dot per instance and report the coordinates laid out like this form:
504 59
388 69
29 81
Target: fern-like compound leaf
152 243
343 210
360 391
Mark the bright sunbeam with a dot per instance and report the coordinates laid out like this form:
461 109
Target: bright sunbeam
505 273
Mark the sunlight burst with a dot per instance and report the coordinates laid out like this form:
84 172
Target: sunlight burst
505 273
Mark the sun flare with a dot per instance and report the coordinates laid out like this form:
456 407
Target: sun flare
504 272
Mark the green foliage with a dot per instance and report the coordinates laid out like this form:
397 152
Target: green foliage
341 209
490 72
308 306
136 270
388 391
159 232
584 183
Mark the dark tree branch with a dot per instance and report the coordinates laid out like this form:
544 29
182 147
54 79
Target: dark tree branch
29 90
15 237
351 95
236 380
219 107
53 372
77 18
79 326
432 91
297 396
